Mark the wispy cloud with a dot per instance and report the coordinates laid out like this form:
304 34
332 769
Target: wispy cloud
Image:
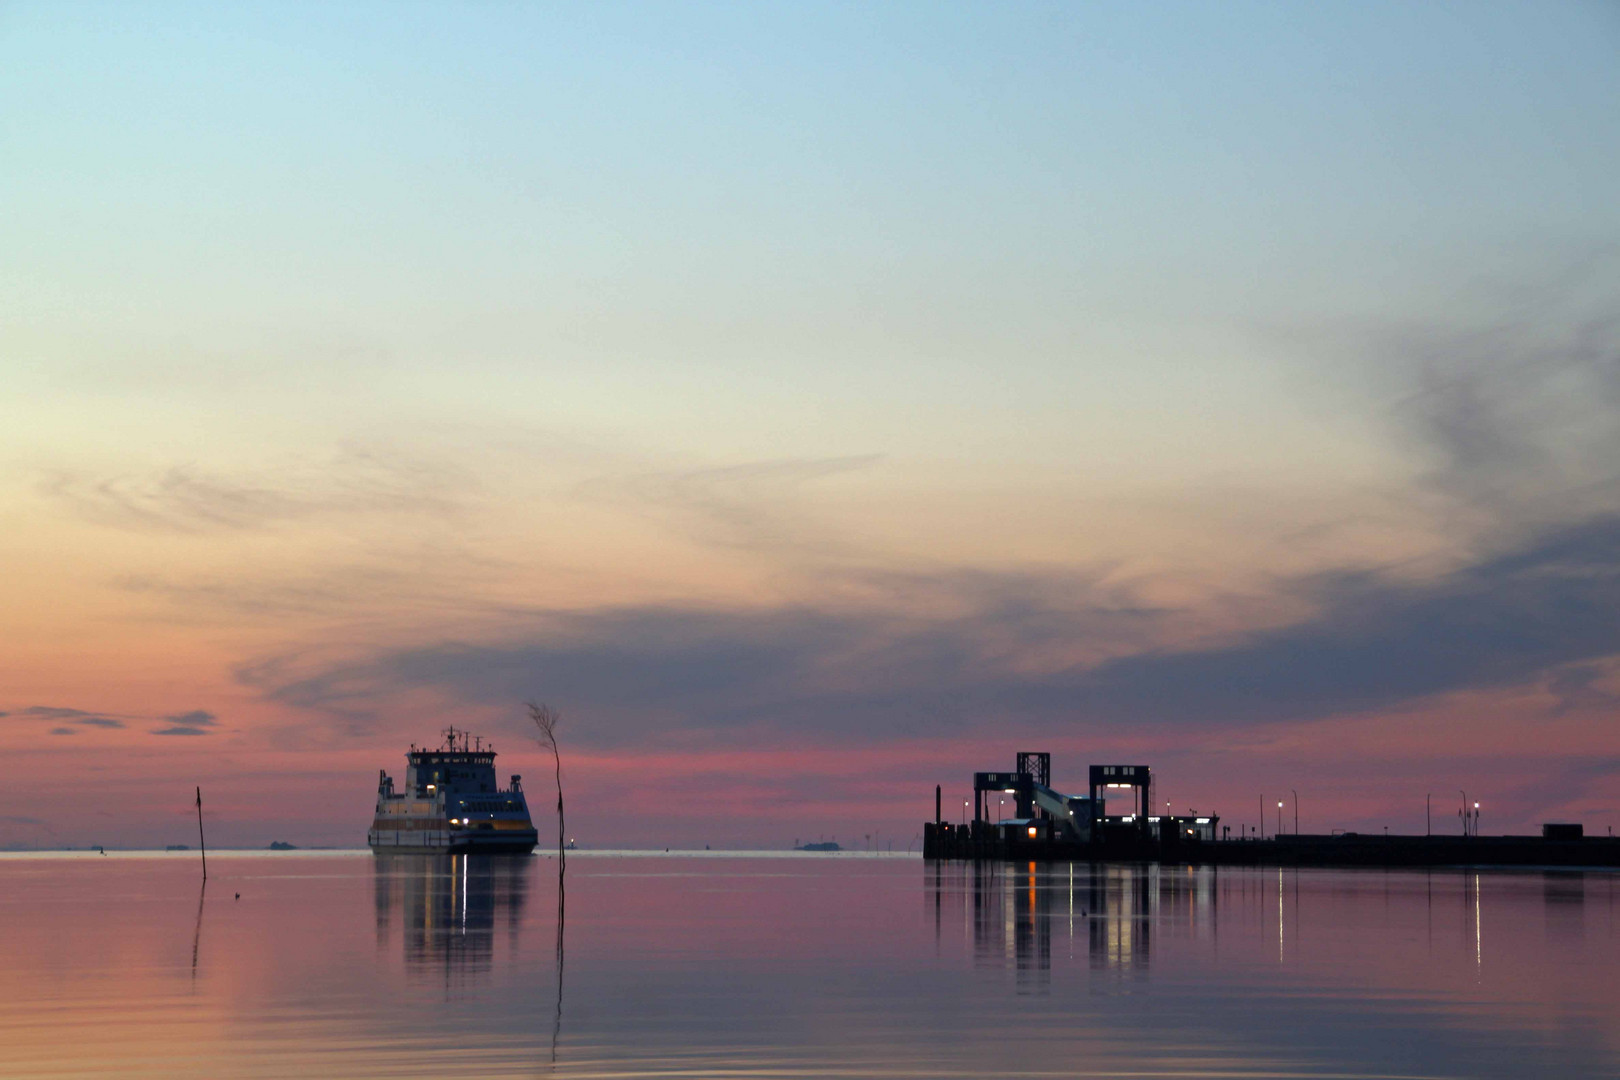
1372 641
1578 686
72 721
1519 414
661 670
189 499
1508 620
439 577
70 716
754 505
342 589
195 722
54 712
1552 791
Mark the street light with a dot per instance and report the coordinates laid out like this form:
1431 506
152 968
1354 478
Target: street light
1476 819
1279 817
1296 811
1464 811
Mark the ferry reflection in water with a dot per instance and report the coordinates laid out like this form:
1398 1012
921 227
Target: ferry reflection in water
1015 911
450 909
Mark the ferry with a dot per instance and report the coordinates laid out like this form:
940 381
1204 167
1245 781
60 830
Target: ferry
452 802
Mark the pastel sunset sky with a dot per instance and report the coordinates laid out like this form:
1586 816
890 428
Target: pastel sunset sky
814 402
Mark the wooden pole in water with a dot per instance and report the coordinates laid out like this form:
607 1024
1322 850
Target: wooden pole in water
200 843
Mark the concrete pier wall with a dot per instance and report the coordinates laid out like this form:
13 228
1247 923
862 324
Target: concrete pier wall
947 841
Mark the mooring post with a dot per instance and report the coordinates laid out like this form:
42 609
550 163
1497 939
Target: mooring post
937 818
201 845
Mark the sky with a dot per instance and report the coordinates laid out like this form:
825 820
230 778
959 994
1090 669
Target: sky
815 403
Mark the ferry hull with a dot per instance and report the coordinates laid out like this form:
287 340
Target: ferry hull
454 841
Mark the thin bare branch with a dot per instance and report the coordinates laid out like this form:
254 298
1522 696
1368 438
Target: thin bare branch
546 719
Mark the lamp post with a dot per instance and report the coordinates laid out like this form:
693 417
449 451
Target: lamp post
1296 811
1476 819
1428 828
1279 817
1262 825
1464 811
964 813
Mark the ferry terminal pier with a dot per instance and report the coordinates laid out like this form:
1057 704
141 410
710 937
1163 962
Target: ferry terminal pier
1048 825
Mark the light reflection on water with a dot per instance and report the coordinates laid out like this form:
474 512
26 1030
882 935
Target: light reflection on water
445 910
354 965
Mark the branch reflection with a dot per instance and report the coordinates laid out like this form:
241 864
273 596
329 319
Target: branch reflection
196 935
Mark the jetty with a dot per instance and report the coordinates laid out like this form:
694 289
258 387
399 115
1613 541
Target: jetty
1047 825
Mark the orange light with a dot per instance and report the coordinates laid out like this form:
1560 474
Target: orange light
1032 832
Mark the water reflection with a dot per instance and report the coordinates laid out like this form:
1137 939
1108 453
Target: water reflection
196 933
1564 902
1013 911
1010 904
1118 916
449 909
351 966
1120 905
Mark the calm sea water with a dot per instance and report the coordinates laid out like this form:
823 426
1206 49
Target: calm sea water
350 965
